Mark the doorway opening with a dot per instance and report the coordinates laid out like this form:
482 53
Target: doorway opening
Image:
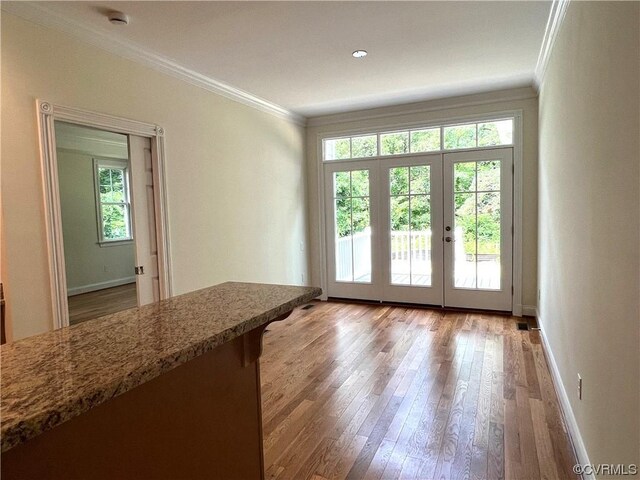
99 198
105 205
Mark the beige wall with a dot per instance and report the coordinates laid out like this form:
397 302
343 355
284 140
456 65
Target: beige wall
434 111
589 222
88 264
236 189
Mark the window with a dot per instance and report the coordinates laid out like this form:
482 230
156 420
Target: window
460 136
113 202
487 133
425 140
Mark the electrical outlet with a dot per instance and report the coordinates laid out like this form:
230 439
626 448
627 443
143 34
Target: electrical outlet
579 387
106 268
302 246
538 296
302 278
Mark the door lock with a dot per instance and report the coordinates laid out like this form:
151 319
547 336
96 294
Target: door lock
448 229
447 239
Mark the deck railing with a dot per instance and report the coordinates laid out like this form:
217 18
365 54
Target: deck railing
360 252
414 245
353 252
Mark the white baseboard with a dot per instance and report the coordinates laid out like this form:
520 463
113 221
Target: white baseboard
565 405
99 286
529 310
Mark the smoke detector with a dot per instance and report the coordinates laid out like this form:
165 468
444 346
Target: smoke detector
118 18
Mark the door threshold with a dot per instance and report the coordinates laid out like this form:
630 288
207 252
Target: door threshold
423 306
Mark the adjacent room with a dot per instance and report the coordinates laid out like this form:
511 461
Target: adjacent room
99 255
320 240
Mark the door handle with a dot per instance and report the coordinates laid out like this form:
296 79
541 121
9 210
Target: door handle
447 239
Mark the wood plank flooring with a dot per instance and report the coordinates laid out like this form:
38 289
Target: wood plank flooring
87 306
355 391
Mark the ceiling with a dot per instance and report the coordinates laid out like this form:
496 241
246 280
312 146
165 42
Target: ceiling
298 54
91 141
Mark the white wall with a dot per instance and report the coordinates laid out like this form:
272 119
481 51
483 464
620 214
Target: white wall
89 266
428 112
236 189
589 222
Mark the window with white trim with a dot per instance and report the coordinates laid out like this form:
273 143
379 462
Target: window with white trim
487 133
113 200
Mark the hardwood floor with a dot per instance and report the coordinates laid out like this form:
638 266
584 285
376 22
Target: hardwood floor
377 392
91 305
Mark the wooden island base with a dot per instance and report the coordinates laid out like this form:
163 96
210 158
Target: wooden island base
200 420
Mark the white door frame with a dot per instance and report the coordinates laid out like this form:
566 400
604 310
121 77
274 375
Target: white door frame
48 113
517 115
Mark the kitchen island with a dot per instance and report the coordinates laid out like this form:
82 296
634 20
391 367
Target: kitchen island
169 390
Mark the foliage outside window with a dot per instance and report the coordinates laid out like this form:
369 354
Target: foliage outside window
113 200
477 205
433 139
351 193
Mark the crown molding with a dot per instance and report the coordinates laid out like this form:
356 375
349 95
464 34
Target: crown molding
37 13
447 103
556 17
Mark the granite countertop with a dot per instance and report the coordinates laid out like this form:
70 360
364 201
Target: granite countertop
50 378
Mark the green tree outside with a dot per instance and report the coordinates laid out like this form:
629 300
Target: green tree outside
477 213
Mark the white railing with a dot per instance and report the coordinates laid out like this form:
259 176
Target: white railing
414 245
353 253
411 258
354 258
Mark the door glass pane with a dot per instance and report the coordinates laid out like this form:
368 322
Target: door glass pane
420 240
477 226
400 247
399 181
465 177
360 183
465 240
410 221
352 217
489 241
361 240
344 263
341 184
489 176
420 181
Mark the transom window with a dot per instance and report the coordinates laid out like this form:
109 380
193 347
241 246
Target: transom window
113 200
488 133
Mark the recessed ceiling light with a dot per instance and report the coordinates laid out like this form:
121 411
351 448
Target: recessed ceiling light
118 18
359 54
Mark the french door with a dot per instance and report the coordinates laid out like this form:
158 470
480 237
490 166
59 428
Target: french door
411 219
430 229
478 229
351 203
